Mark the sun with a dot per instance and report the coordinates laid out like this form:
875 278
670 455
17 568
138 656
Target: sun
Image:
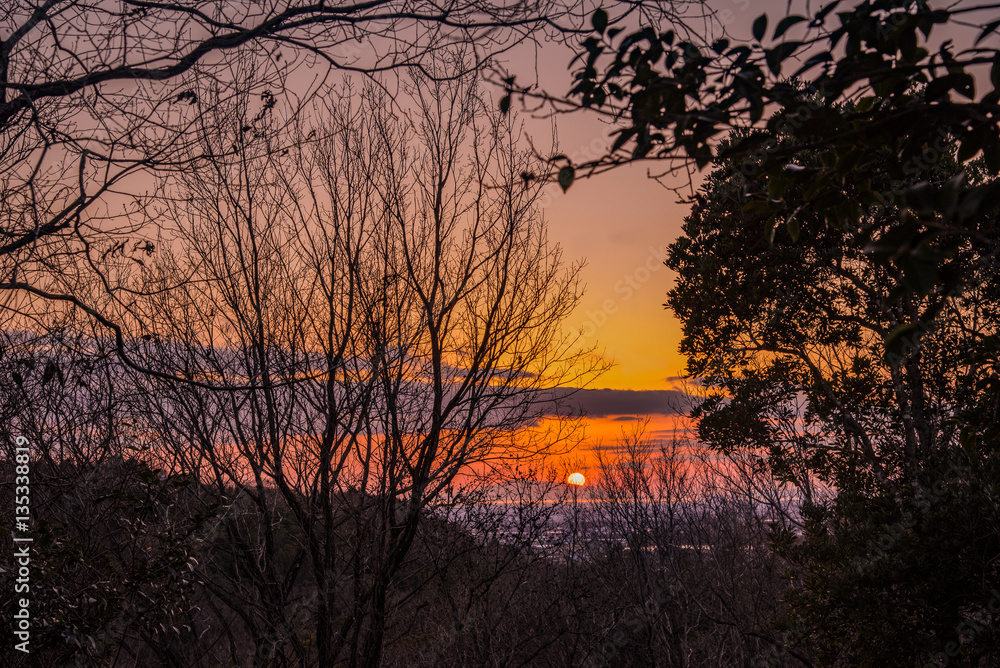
576 479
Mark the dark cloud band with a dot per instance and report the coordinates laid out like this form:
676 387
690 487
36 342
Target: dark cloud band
607 403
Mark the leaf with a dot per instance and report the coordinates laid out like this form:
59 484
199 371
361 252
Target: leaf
793 228
18 379
938 88
760 27
505 104
969 148
50 371
786 23
720 45
600 20
908 46
770 228
991 154
965 85
691 52
824 57
779 54
978 201
777 184
623 136
566 175
757 206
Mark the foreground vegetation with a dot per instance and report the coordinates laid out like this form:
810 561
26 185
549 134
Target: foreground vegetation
141 567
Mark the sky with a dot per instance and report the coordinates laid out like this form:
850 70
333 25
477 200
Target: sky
620 223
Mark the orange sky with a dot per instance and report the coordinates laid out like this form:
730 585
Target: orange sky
621 223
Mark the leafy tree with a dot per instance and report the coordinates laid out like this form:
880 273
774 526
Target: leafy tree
675 100
786 325
837 287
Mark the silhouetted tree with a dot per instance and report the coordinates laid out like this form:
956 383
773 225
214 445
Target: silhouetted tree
390 301
98 99
674 98
789 331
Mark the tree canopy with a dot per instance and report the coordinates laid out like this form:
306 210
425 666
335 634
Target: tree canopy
675 101
786 328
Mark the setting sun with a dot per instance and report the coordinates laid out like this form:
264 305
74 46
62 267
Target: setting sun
576 479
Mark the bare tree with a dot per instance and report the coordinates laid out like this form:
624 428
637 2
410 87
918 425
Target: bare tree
97 98
389 300
680 544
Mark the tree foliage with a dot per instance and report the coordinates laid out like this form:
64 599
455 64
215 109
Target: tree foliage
675 100
787 327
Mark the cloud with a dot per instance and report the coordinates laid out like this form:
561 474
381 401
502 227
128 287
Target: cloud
624 405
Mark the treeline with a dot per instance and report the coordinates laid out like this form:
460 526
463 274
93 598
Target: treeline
136 562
